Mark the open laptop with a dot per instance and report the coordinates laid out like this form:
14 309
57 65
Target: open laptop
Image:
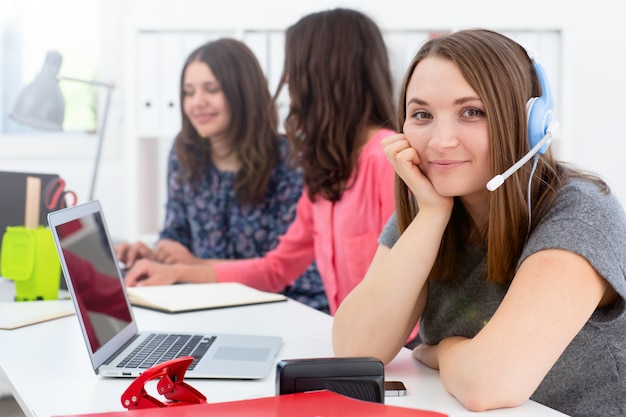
106 319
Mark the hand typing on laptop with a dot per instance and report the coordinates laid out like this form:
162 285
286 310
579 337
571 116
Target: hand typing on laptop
166 251
169 251
128 253
149 272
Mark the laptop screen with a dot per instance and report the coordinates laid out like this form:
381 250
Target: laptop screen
94 278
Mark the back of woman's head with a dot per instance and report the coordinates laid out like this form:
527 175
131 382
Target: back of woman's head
339 79
253 118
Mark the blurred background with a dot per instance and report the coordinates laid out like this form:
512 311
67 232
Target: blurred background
139 47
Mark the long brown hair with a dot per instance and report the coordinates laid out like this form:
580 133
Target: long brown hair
502 74
339 79
253 125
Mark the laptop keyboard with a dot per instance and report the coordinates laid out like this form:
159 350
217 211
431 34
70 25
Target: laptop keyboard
158 348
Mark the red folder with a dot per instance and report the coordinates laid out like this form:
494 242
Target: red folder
303 404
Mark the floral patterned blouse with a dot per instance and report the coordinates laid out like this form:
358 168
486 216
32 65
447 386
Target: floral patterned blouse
208 219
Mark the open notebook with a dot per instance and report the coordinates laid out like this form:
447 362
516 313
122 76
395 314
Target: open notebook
114 342
189 297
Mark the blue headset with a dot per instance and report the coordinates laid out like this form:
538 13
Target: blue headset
540 110
541 126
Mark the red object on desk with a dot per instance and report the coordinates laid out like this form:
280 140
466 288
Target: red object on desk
303 404
171 386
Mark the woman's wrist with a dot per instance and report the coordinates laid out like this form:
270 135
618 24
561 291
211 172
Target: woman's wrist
194 273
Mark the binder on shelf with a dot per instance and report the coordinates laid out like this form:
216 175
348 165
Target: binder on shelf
148 86
171 61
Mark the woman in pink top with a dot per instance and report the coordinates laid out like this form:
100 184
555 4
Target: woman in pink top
341 107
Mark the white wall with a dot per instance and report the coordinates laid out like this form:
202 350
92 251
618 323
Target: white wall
591 80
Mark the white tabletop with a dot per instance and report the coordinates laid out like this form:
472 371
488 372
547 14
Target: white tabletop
48 371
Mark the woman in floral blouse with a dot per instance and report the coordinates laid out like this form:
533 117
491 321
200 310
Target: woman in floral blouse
232 190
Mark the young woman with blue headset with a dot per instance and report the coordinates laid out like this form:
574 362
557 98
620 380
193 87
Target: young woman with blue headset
519 288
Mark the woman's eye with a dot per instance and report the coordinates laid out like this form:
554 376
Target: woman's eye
421 115
473 112
212 89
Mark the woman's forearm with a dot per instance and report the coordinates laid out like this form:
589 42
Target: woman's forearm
379 314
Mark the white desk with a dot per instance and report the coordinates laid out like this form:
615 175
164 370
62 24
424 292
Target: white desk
48 371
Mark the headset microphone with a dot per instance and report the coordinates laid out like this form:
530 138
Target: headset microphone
541 126
498 180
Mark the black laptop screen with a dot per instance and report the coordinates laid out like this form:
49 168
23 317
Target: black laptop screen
91 267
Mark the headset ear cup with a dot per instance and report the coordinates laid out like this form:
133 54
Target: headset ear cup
535 121
539 111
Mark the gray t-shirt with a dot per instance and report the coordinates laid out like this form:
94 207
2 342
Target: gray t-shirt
589 379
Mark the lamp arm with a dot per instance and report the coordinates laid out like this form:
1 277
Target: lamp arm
109 87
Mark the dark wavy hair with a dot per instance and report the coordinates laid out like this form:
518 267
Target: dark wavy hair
253 125
339 79
503 76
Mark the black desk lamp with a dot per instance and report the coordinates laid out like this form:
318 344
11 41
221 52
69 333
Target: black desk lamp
41 104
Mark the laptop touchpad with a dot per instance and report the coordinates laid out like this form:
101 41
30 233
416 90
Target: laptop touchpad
241 353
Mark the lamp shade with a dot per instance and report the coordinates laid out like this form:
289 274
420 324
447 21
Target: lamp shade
41 103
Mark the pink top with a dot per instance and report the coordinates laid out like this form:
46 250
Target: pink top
341 237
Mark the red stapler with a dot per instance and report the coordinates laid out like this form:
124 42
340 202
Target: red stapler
170 385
